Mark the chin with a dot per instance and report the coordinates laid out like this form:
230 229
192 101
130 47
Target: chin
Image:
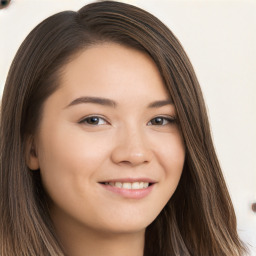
126 225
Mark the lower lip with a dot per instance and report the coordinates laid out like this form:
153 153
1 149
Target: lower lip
129 193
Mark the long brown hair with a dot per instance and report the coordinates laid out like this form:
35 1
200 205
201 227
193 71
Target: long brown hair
199 219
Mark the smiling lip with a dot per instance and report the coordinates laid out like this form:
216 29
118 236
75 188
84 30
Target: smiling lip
129 193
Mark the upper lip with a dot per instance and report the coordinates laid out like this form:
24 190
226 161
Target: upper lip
129 180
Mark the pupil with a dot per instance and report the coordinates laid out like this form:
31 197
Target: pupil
93 120
158 120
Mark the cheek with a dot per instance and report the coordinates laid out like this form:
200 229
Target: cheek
69 159
66 148
171 156
171 153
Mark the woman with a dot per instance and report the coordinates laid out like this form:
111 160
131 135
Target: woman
105 143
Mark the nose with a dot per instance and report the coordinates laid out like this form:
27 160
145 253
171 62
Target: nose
132 148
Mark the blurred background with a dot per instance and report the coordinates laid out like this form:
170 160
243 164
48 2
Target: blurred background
220 39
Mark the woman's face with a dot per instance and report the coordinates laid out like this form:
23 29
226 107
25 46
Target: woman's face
109 149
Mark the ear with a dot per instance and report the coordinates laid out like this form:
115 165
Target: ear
31 154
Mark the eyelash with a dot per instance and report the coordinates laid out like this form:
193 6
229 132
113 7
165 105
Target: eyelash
168 120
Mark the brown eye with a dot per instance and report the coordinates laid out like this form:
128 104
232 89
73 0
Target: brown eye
157 121
93 120
161 121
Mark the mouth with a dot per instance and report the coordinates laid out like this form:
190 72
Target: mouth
128 185
129 188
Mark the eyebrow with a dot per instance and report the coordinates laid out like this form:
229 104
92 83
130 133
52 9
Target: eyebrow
95 100
111 103
160 103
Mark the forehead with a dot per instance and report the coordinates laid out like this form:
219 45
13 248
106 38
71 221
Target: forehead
112 70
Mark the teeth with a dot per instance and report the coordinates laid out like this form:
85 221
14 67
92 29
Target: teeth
129 185
145 185
135 185
118 184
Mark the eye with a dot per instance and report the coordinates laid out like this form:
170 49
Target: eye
160 120
93 120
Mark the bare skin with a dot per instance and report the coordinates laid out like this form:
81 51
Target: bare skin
110 151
